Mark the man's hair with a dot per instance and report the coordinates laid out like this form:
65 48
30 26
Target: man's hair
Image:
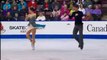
75 5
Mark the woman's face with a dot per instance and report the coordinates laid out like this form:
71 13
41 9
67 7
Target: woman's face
46 1
97 7
15 8
40 14
16 14
56 8
14 1
65 6
21 0
6 7
90 6
96 0
23 7
33 0
81 6
8 13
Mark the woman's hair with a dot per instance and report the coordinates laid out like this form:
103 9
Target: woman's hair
32 9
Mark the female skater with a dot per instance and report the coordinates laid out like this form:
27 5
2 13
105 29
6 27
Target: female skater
2 30
1 27
32 26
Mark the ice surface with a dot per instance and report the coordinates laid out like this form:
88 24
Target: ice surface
53 49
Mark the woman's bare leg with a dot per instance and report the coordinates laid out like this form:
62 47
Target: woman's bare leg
33 38
28 35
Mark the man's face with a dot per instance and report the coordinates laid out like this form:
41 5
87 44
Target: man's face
75 8
7 2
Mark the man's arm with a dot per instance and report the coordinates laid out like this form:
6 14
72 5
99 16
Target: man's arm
71 16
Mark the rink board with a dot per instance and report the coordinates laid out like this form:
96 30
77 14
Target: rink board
55 29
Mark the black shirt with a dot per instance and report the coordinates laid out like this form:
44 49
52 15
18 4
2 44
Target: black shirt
78 17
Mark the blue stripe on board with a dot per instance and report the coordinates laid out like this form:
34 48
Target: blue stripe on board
49 21
53 36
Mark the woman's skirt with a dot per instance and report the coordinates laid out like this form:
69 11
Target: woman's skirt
37 26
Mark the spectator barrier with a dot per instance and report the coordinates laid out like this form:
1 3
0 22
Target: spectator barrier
54 29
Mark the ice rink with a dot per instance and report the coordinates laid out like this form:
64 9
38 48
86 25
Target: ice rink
53 49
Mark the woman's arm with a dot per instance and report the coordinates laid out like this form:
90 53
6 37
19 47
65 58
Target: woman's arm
27 17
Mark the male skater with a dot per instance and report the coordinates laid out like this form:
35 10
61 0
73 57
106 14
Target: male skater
78 26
